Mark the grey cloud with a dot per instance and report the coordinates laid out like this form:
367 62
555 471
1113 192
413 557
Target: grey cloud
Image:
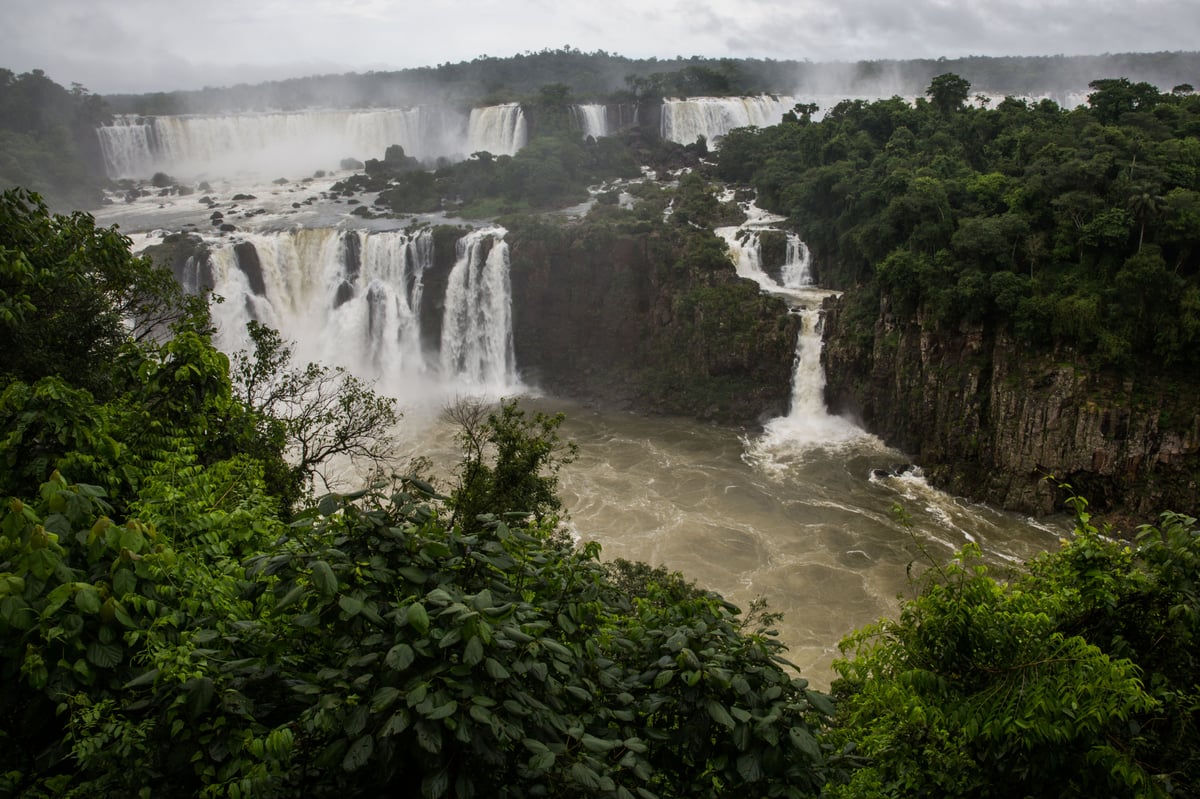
140 45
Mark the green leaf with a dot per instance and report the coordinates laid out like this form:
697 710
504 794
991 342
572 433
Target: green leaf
350 604
594 744
324 579
132 539
803 740
664 677
145 678
482 600
397 724
719 714
413 574
542 761
418 619
439 596
106 656
429 737
329 504
821 702
384 698
585 776
88 599
359 753
495 669
433 786
400 657
749 768
442 711
481 714
291 597
124 582
473 653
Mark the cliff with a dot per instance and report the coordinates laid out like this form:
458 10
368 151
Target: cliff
635 317
987 420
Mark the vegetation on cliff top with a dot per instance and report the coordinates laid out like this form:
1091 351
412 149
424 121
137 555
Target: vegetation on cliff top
48 139
1073 229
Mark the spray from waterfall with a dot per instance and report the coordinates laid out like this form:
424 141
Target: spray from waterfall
301 142
684 120
591 119
497 129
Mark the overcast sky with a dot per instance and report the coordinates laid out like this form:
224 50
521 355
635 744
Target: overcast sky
157 45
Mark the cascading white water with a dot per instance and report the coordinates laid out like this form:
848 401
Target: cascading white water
497 129
354 298
271 144
797 268
591 119
808 424
745 249
477 338
685 120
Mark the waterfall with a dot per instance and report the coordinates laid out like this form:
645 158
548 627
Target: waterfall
591 119
685 120
477 338
745 249
808 424
797 268
270 144
356 299
808 381
497 129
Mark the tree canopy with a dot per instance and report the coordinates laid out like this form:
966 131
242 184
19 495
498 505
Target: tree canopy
1072 229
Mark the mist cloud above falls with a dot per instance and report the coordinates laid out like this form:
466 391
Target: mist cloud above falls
148 45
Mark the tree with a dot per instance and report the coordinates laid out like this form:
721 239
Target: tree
1146 205
315 414
1112 98
948 92
1068 680
510 462
88 295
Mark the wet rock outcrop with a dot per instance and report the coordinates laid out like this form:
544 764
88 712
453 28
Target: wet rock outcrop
622 317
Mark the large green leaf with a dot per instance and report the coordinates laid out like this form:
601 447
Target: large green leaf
359 753
418 618
719 714
400 657
324 579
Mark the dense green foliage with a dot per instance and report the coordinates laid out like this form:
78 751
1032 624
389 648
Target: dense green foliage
551 171
1076 678
1074 229
48 138
111 369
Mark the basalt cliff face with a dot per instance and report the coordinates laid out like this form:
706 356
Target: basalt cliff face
624 319
987 420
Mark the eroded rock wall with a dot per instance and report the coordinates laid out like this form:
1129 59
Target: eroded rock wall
987 419
619 318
